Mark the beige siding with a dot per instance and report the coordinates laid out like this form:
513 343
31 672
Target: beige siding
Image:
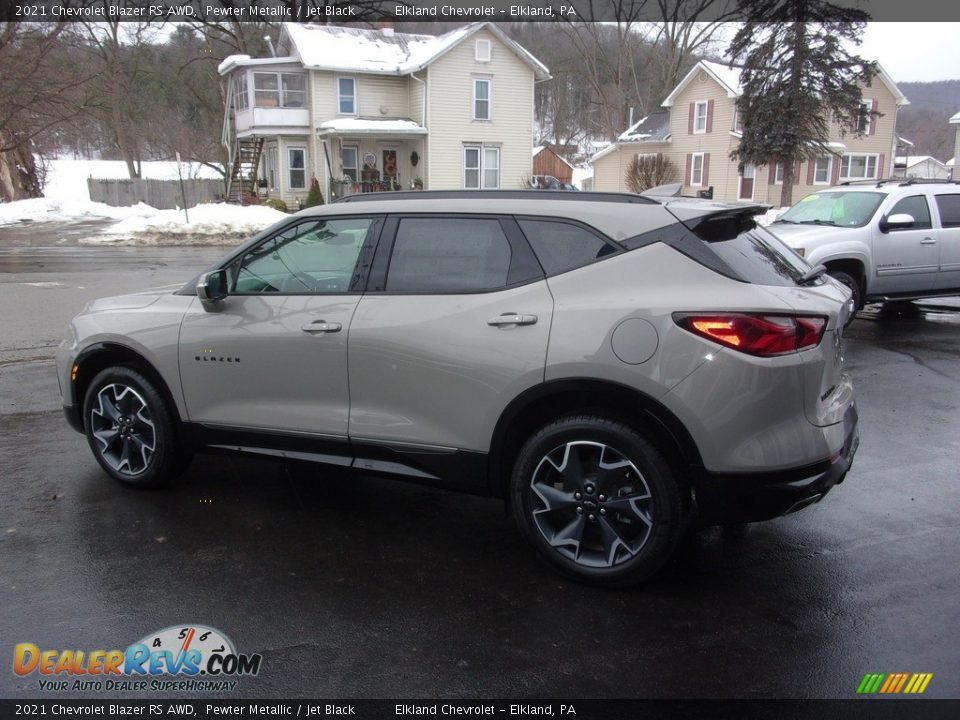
377 95
956 150
610 171
450 113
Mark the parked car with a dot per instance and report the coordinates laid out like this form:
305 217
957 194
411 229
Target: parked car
612 366
885 240
549 182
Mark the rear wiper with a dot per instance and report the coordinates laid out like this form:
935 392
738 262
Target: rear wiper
811 274
817 222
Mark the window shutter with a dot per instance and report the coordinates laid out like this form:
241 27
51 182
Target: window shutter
690 120
709 116
706 170
689 166
772 180
880 168
811 166
873 118
835 179
796 173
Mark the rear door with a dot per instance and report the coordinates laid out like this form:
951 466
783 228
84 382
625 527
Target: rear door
948 208
906 260
453 326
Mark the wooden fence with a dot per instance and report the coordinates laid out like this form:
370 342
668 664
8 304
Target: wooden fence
161 194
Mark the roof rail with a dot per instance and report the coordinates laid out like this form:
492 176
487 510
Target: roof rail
498 195
902 181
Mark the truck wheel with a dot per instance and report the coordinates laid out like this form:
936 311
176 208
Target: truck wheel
855 288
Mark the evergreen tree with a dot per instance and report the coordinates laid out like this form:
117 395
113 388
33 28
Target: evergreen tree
315 196
797 75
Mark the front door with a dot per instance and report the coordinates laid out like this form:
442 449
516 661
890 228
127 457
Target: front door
948 238
746 182
273 354
457 328
906 260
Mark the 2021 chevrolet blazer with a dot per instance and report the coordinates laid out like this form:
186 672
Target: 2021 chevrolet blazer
612 366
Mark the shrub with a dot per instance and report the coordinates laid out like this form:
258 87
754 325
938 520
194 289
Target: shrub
277 204
647 171
314 197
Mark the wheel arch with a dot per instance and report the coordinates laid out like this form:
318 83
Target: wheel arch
550 400
99 356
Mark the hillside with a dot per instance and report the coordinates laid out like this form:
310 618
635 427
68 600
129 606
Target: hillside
925 121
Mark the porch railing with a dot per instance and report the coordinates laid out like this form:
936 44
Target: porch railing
340 188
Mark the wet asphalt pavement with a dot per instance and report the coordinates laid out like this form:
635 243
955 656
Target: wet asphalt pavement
362 587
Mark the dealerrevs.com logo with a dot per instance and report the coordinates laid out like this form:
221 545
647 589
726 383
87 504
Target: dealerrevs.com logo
180 657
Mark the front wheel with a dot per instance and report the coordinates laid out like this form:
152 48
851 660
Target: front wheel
130 430
855 289
597 500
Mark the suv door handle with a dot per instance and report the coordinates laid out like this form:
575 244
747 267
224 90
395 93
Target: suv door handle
512 319
321 326
928 241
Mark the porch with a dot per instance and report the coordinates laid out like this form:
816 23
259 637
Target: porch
361 155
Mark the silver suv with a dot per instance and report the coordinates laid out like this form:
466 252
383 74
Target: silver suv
885 240
611 365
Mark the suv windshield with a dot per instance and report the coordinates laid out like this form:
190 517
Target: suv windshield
840 208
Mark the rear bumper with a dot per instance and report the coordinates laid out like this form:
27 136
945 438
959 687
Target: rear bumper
726 498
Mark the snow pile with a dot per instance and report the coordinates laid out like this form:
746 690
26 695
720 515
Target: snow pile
48 209
770 215
214 224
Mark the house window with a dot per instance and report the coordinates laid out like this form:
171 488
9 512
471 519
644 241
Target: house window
266 90
241 96
297 162
737 124
700 117
821 172
858 167
294 90
481 99
482 51
346 96
778 174
696 170
865 119
481 167
350 162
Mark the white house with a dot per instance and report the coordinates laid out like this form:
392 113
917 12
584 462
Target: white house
919 166
377 110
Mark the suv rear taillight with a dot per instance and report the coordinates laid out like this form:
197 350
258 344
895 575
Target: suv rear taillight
756 334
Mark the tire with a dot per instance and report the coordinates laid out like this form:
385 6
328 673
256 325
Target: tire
130 429
557 484
855 288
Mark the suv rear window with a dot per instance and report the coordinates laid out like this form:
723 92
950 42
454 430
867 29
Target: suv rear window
562 246
757 256
949 207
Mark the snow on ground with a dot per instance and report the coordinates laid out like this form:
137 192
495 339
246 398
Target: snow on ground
67 198
580 174
771 215
213 224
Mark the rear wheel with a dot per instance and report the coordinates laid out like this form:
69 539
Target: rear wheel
130 429
597 500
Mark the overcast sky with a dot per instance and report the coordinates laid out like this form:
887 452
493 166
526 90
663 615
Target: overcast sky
914 51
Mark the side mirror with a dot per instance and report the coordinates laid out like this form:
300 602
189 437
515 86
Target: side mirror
899 221
212 286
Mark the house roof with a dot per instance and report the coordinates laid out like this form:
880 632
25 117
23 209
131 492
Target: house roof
655 127
911 160
955 119
370 126
950 162
385 52
234 61
728 76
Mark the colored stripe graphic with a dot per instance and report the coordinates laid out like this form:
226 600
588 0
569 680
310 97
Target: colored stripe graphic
894 683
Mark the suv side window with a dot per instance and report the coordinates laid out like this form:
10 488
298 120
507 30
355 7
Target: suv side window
452 255
562 246
312 257
916 206
949 207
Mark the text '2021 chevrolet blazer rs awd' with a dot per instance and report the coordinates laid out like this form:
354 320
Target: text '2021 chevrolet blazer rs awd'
613 366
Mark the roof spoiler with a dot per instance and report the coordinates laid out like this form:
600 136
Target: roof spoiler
713 222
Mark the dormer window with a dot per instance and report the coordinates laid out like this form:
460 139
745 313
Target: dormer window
483 50
700 117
